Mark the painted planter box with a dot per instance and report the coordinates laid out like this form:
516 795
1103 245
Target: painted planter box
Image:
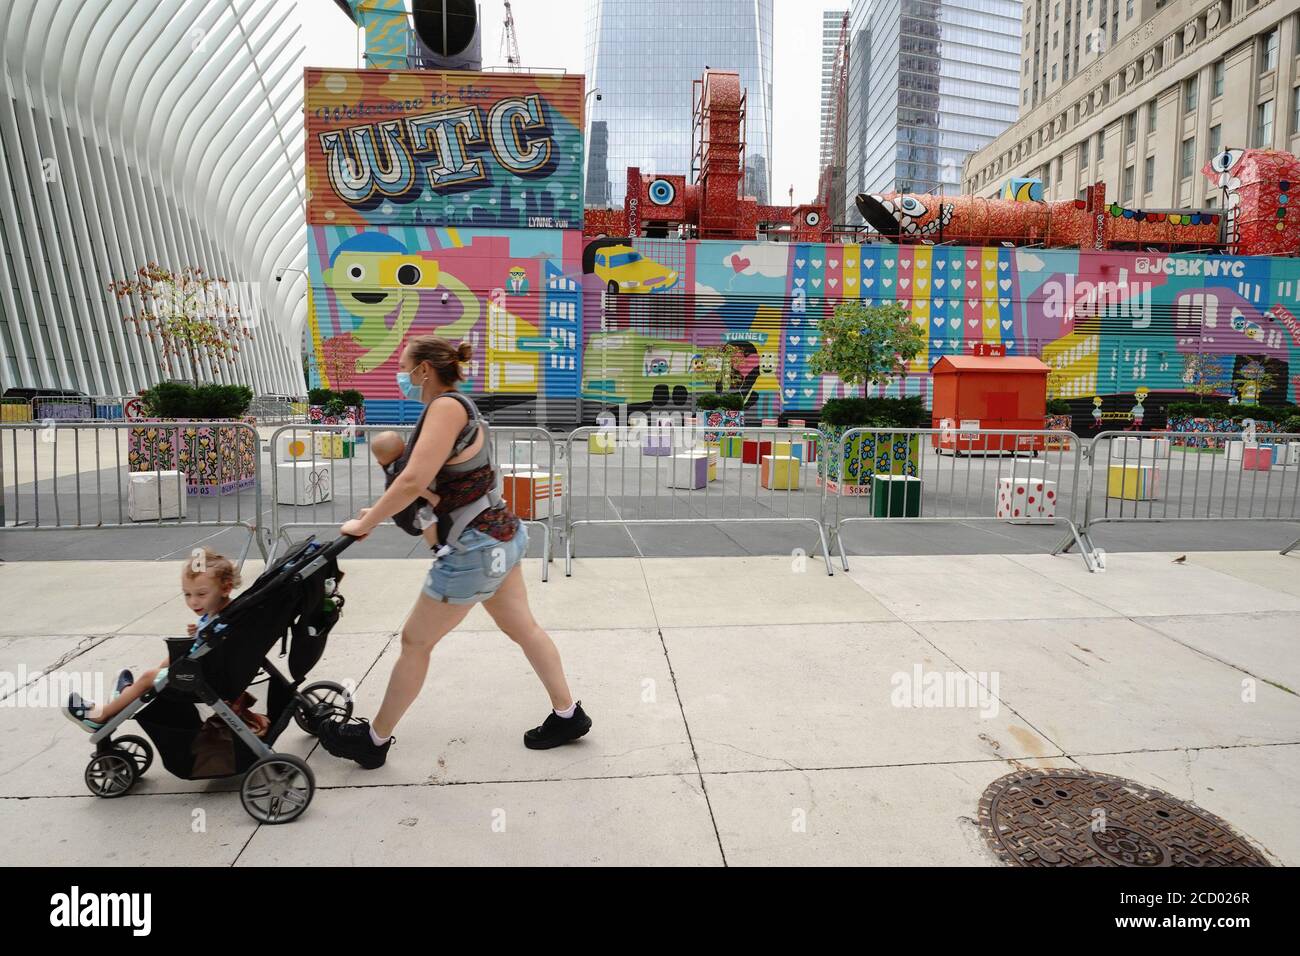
1209 425
218 459
1057 423
716 419
867 454
351 415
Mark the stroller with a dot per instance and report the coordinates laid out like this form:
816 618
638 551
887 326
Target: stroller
295 602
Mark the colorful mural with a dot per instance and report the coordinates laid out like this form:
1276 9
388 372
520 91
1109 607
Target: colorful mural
444 148
1123 332
516 296
1119 329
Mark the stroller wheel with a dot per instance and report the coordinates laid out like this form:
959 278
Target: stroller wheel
328 702
111 774
277 789
138 749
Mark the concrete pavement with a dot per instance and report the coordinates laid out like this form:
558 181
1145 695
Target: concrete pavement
746 711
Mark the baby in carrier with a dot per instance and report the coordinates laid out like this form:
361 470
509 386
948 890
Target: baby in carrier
388 448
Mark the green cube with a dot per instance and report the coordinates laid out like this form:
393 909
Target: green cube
895 496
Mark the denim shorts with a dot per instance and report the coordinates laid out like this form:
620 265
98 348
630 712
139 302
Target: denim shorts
474 574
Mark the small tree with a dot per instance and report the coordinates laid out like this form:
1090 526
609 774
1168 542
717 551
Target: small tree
1254 379
863 344
1203 375
184 313
340 354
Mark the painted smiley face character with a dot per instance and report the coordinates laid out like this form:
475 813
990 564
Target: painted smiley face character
354 274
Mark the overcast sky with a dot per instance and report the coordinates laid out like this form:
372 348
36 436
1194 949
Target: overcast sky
550 34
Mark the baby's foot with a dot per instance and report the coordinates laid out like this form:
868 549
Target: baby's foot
78 711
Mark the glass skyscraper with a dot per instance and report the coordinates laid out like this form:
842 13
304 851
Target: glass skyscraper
930 82
642 56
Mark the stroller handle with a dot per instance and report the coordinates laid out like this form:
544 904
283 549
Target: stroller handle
339 545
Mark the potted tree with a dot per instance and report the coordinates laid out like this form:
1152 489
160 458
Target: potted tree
217 458
867 345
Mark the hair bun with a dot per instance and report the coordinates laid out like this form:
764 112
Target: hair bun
464 351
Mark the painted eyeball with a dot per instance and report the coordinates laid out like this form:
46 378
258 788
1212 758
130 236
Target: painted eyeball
408 274
812 217
357 272
1225 160
661 192
911 206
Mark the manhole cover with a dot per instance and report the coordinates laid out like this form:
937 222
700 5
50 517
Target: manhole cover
1075 818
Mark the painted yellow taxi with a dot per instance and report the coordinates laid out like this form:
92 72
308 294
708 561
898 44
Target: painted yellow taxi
623 269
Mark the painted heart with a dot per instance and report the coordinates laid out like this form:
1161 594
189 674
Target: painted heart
904 263
868 262
971 263
989 323
868 282
792 375
817 263
938 323
905 303
938 343
921 283
799 263
940 302
799 281
922 263
1004 302
832 262
832 282
1007 323
971 283
794 340
972 301
817 282
972 322
955 323
851 280
1002 266
904 283
1009 344
939 263
988 284
850 263
808 392
1006 284
953 343
887 281
939 283
868 301
791 392
739 263
889 263
812 341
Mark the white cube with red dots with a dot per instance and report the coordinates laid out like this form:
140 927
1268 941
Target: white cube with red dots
1026 497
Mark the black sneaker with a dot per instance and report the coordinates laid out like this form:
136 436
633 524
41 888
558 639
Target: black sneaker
556 730
351 740
124 680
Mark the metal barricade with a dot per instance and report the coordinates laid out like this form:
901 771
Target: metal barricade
277 410
322 475
877 474
656 473
58 476
1155 476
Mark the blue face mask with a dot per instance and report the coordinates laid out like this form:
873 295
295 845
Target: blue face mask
407 387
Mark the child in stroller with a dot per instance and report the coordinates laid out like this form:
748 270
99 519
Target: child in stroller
295 602
207 579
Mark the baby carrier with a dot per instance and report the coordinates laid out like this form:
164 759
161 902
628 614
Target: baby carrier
452 524
294 602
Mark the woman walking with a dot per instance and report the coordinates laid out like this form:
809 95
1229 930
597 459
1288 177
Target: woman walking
482 543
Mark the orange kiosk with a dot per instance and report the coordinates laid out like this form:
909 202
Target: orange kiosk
973 392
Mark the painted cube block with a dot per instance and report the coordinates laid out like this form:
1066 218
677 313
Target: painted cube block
155 495
753 450
1257 458
533 495
296 445
731 446
302 482
692 470
334 445
601 443
657 442
217 459
896 496
779 472
1139 450
1132 482
1026 496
